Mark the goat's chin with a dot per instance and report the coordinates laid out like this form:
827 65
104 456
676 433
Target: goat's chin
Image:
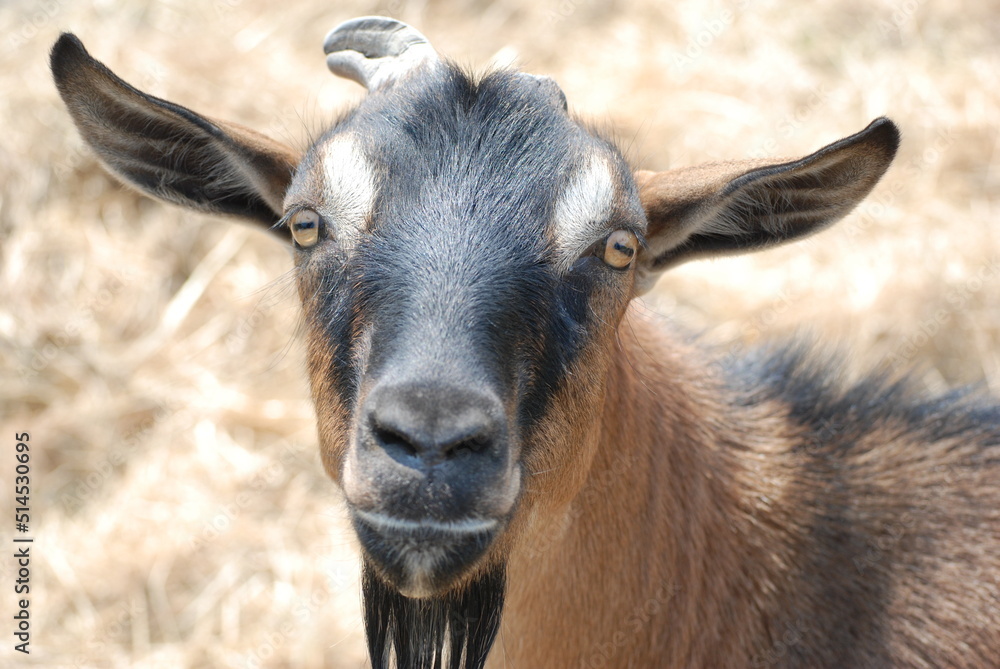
454 628
424 559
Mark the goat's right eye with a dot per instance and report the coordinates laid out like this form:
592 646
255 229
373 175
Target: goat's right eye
304 225
620 248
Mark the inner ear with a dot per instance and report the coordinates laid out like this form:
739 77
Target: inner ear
169 151
743 206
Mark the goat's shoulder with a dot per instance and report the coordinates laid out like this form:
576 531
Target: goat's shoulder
896 490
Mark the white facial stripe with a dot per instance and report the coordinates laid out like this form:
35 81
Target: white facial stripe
582 208
349 189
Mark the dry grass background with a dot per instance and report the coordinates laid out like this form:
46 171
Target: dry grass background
179 509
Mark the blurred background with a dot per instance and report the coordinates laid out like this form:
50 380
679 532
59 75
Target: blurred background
180 513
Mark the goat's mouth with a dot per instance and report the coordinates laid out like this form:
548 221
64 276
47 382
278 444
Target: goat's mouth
423 558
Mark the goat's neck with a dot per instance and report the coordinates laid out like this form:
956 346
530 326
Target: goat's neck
656 550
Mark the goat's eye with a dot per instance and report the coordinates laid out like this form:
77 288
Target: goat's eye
304 225
620 249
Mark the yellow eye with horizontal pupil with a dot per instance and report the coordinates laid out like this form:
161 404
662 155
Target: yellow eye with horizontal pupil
620 248
304 225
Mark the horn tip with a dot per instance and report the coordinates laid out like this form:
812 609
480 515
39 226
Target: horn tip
373 50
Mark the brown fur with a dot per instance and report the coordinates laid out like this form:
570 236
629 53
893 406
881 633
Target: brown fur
691 542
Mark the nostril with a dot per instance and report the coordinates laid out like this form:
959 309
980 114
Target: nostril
466 445
393 442
399 445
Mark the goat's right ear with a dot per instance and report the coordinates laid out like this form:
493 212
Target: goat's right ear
168 151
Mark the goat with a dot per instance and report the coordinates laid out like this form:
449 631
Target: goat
539 475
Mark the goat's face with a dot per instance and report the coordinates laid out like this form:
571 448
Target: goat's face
464 252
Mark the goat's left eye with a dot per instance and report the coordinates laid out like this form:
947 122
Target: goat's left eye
620 248
304 225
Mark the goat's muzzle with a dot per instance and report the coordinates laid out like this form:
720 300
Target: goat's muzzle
430 480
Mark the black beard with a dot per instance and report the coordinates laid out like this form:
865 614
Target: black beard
455 630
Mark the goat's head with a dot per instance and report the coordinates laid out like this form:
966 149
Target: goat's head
465 251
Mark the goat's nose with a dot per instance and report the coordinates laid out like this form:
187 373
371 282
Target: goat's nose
423 424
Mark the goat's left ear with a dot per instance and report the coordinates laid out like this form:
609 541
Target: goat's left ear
742 206
168 151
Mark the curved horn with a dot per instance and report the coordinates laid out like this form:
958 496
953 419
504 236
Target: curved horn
375 50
